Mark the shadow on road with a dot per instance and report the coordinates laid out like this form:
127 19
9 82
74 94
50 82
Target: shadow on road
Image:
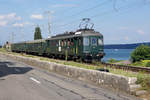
5 70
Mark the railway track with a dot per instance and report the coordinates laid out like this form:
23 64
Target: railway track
127 67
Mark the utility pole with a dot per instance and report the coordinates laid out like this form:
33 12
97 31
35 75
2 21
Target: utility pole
22 33
12 37
49 26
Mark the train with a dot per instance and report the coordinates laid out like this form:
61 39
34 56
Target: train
84 44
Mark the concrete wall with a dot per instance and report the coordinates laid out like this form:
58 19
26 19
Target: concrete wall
117 82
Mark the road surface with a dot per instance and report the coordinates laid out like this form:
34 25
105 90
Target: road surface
22 82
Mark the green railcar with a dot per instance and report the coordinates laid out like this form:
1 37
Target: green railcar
36 47
18 47
33 47
85 44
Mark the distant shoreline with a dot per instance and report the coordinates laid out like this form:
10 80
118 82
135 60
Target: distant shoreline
124 46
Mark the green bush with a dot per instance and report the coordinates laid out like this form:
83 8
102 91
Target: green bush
144 80
142 52
111 60
148 64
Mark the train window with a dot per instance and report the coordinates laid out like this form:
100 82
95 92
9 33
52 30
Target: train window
94 41
65 43
68 43
86 41
100 42
72 42
59 42
62 43
79 41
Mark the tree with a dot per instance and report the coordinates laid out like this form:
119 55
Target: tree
37 33
142 52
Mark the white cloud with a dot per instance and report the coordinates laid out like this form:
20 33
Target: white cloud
27 23
18 18
3 23
1 17
141 32
21 24
126 38
10 16
63 5
6 19
36 16
18 25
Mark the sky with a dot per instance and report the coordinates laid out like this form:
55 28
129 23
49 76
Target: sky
120 21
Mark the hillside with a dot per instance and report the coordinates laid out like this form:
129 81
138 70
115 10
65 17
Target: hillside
124 46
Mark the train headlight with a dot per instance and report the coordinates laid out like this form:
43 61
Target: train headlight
88 54
100 54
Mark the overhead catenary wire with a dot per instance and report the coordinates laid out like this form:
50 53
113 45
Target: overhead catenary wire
103 13
125 8
87 10
72 22
84 11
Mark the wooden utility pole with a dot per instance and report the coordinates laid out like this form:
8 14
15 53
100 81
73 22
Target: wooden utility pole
49 24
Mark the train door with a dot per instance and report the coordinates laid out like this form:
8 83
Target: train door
59 46
77 46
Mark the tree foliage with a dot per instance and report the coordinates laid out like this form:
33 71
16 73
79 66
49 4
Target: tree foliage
37 33
142 52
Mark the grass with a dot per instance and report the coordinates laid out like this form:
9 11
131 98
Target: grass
2 50
142 78
142 63
111 60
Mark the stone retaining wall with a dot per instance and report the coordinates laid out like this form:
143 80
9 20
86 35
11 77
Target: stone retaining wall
117 82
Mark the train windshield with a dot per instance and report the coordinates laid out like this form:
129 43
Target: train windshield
94 41
100 42
86 41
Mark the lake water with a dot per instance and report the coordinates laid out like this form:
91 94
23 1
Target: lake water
118 54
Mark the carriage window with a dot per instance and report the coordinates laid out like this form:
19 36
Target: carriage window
100 42
68 43
71 42
62 43
79 41
59 42
65 43
94 41
86 41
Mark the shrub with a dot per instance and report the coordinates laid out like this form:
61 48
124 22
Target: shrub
144 80
111 60
142 52
148 64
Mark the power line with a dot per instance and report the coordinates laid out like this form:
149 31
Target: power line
70 9
88 9
71 22
128 8
103 13
85 11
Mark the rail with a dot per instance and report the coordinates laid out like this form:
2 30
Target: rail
127 67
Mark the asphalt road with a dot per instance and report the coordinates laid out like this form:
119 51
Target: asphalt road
22 82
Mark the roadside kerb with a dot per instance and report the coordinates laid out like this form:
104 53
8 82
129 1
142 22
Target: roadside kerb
116 82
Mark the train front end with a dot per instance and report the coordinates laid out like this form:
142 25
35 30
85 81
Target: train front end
93 46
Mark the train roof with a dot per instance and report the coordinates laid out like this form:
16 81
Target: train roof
33 41
78 33
36 41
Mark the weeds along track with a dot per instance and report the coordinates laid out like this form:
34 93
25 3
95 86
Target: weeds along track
127 67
